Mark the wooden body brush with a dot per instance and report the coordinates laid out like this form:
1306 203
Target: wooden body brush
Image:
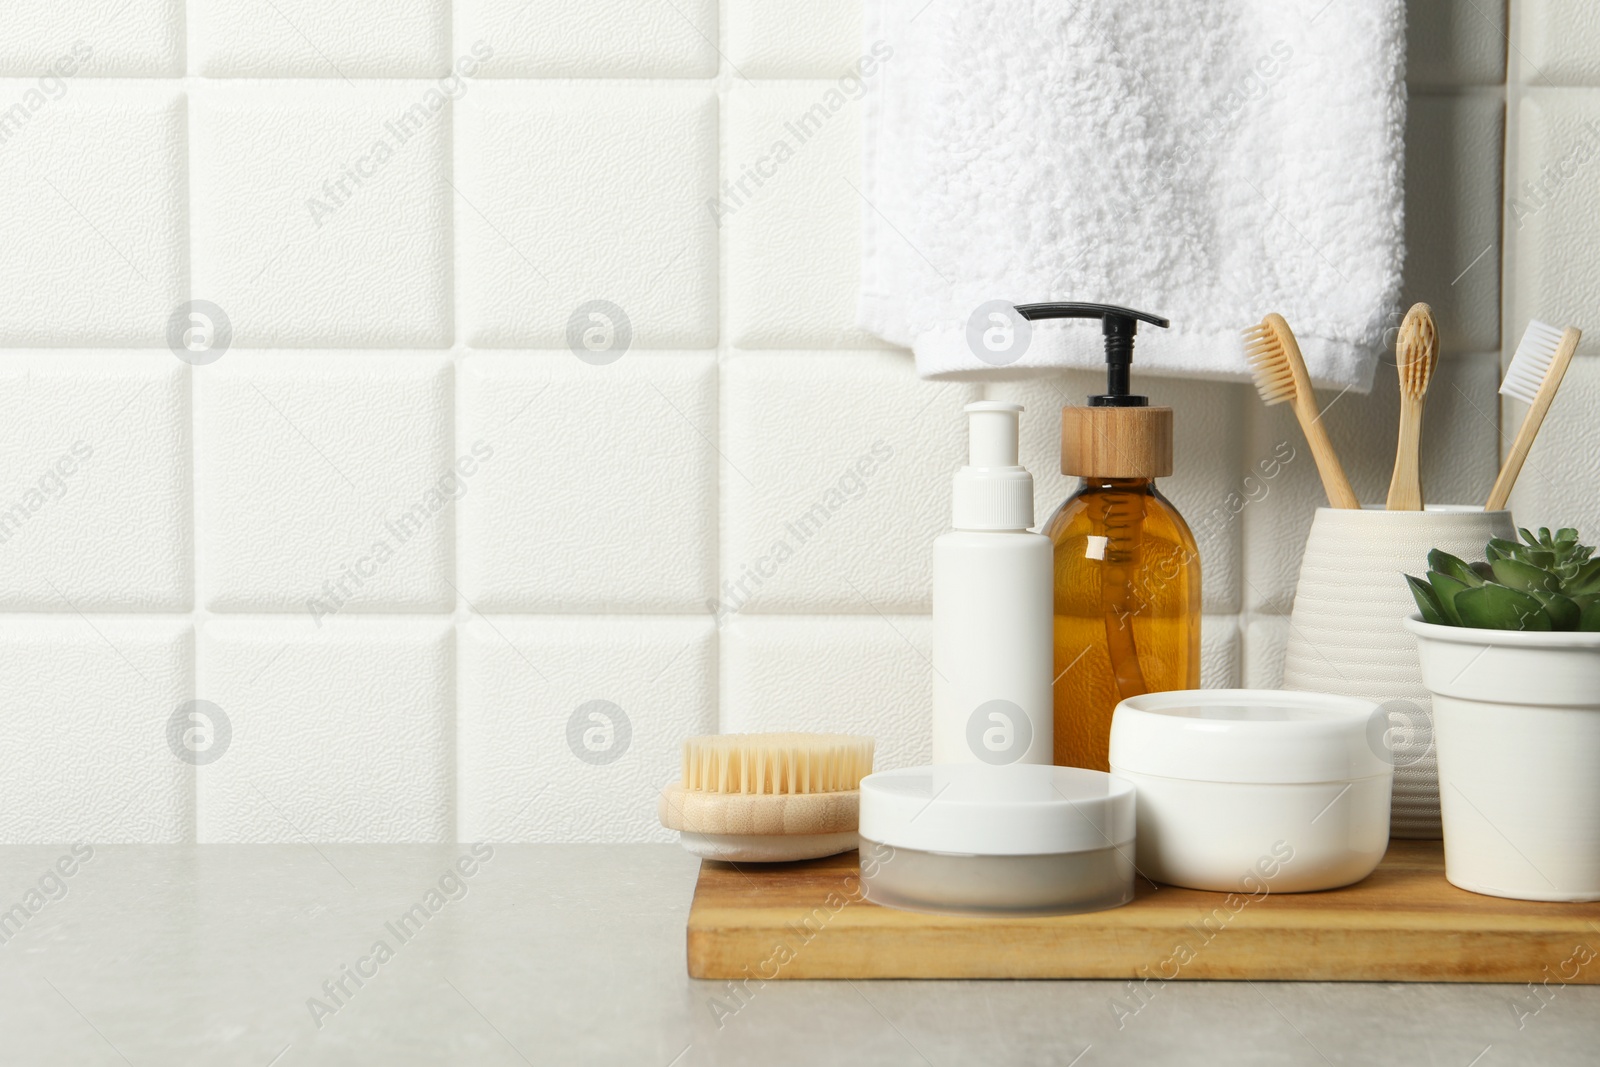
768 798
1280 374
1416 354
1533 377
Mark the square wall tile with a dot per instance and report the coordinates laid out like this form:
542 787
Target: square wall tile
310 39
1452 42
1557 485
1460 457
1553 214
623 173
342 733
598 489
772 39
853 674
792 215
325 483
95 512
88 701
129 39
837 481
92 179
1211 475
596 39
1221 652
322 212
570 727
1265 639
1454 151
1558 42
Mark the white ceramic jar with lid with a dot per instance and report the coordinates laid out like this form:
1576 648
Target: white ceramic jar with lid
1018 839
1252 790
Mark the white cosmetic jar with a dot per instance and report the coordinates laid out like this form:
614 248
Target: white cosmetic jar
1255 790
971 839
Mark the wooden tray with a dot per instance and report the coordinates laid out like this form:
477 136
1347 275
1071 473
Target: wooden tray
1404 923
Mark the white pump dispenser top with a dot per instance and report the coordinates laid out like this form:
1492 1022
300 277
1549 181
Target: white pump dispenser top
992 492
992 597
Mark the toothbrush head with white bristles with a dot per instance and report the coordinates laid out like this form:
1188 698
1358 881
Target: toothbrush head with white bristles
1526 373
1533 376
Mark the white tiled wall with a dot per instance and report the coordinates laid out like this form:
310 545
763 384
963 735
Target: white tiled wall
1552 238
443 578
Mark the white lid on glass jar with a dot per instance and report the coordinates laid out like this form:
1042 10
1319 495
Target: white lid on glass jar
1267 736
1022 809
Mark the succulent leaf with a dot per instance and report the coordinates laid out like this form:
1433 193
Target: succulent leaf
1501 547
1447 588
1545 581
1519 575
1453 566
1562 612
1427 601
1499 607
1585 582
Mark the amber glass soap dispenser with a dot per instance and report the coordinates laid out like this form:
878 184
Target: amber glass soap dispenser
1127 574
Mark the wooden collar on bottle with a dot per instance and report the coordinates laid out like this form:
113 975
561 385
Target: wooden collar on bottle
1116 442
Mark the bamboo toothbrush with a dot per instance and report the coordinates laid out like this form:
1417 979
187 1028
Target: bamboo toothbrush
1533 377
1280 374
1416 354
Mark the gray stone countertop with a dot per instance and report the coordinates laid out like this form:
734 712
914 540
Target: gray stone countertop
574 954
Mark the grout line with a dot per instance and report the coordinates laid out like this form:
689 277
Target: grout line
724 92
200 615
1510 127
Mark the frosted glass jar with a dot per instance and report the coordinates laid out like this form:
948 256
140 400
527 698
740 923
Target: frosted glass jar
1254 790
972 839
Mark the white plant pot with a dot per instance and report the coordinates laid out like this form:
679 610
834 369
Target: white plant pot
1347 633
1517 727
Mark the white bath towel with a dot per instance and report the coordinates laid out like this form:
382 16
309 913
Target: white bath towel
1205 161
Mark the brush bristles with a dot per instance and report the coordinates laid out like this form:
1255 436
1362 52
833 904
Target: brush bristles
776 763
1416 351
1532 361
1269 362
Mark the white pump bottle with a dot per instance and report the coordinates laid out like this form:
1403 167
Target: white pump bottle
992 608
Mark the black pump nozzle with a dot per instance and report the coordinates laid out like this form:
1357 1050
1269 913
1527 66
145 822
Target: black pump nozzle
1118 324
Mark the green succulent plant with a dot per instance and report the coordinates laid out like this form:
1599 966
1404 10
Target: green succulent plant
1548 583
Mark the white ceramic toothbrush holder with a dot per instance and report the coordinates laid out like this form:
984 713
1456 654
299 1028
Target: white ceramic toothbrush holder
1347 631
